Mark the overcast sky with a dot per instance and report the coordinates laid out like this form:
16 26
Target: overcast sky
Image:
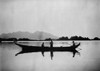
58 17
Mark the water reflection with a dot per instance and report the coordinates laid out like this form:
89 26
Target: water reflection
62 61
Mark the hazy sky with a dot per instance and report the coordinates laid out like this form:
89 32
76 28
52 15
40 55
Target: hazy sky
58 17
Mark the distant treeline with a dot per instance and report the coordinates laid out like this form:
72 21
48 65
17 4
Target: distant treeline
77 38
13 39
60 38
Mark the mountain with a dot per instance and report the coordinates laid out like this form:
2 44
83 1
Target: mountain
43 35
38 35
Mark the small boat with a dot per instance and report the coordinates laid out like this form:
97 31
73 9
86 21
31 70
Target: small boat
29 49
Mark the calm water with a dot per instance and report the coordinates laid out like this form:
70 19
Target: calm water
62 61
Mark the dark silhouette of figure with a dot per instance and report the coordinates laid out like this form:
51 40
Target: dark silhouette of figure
42 49
51 43
51 48
73 44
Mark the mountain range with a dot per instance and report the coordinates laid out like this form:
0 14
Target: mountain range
38 35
